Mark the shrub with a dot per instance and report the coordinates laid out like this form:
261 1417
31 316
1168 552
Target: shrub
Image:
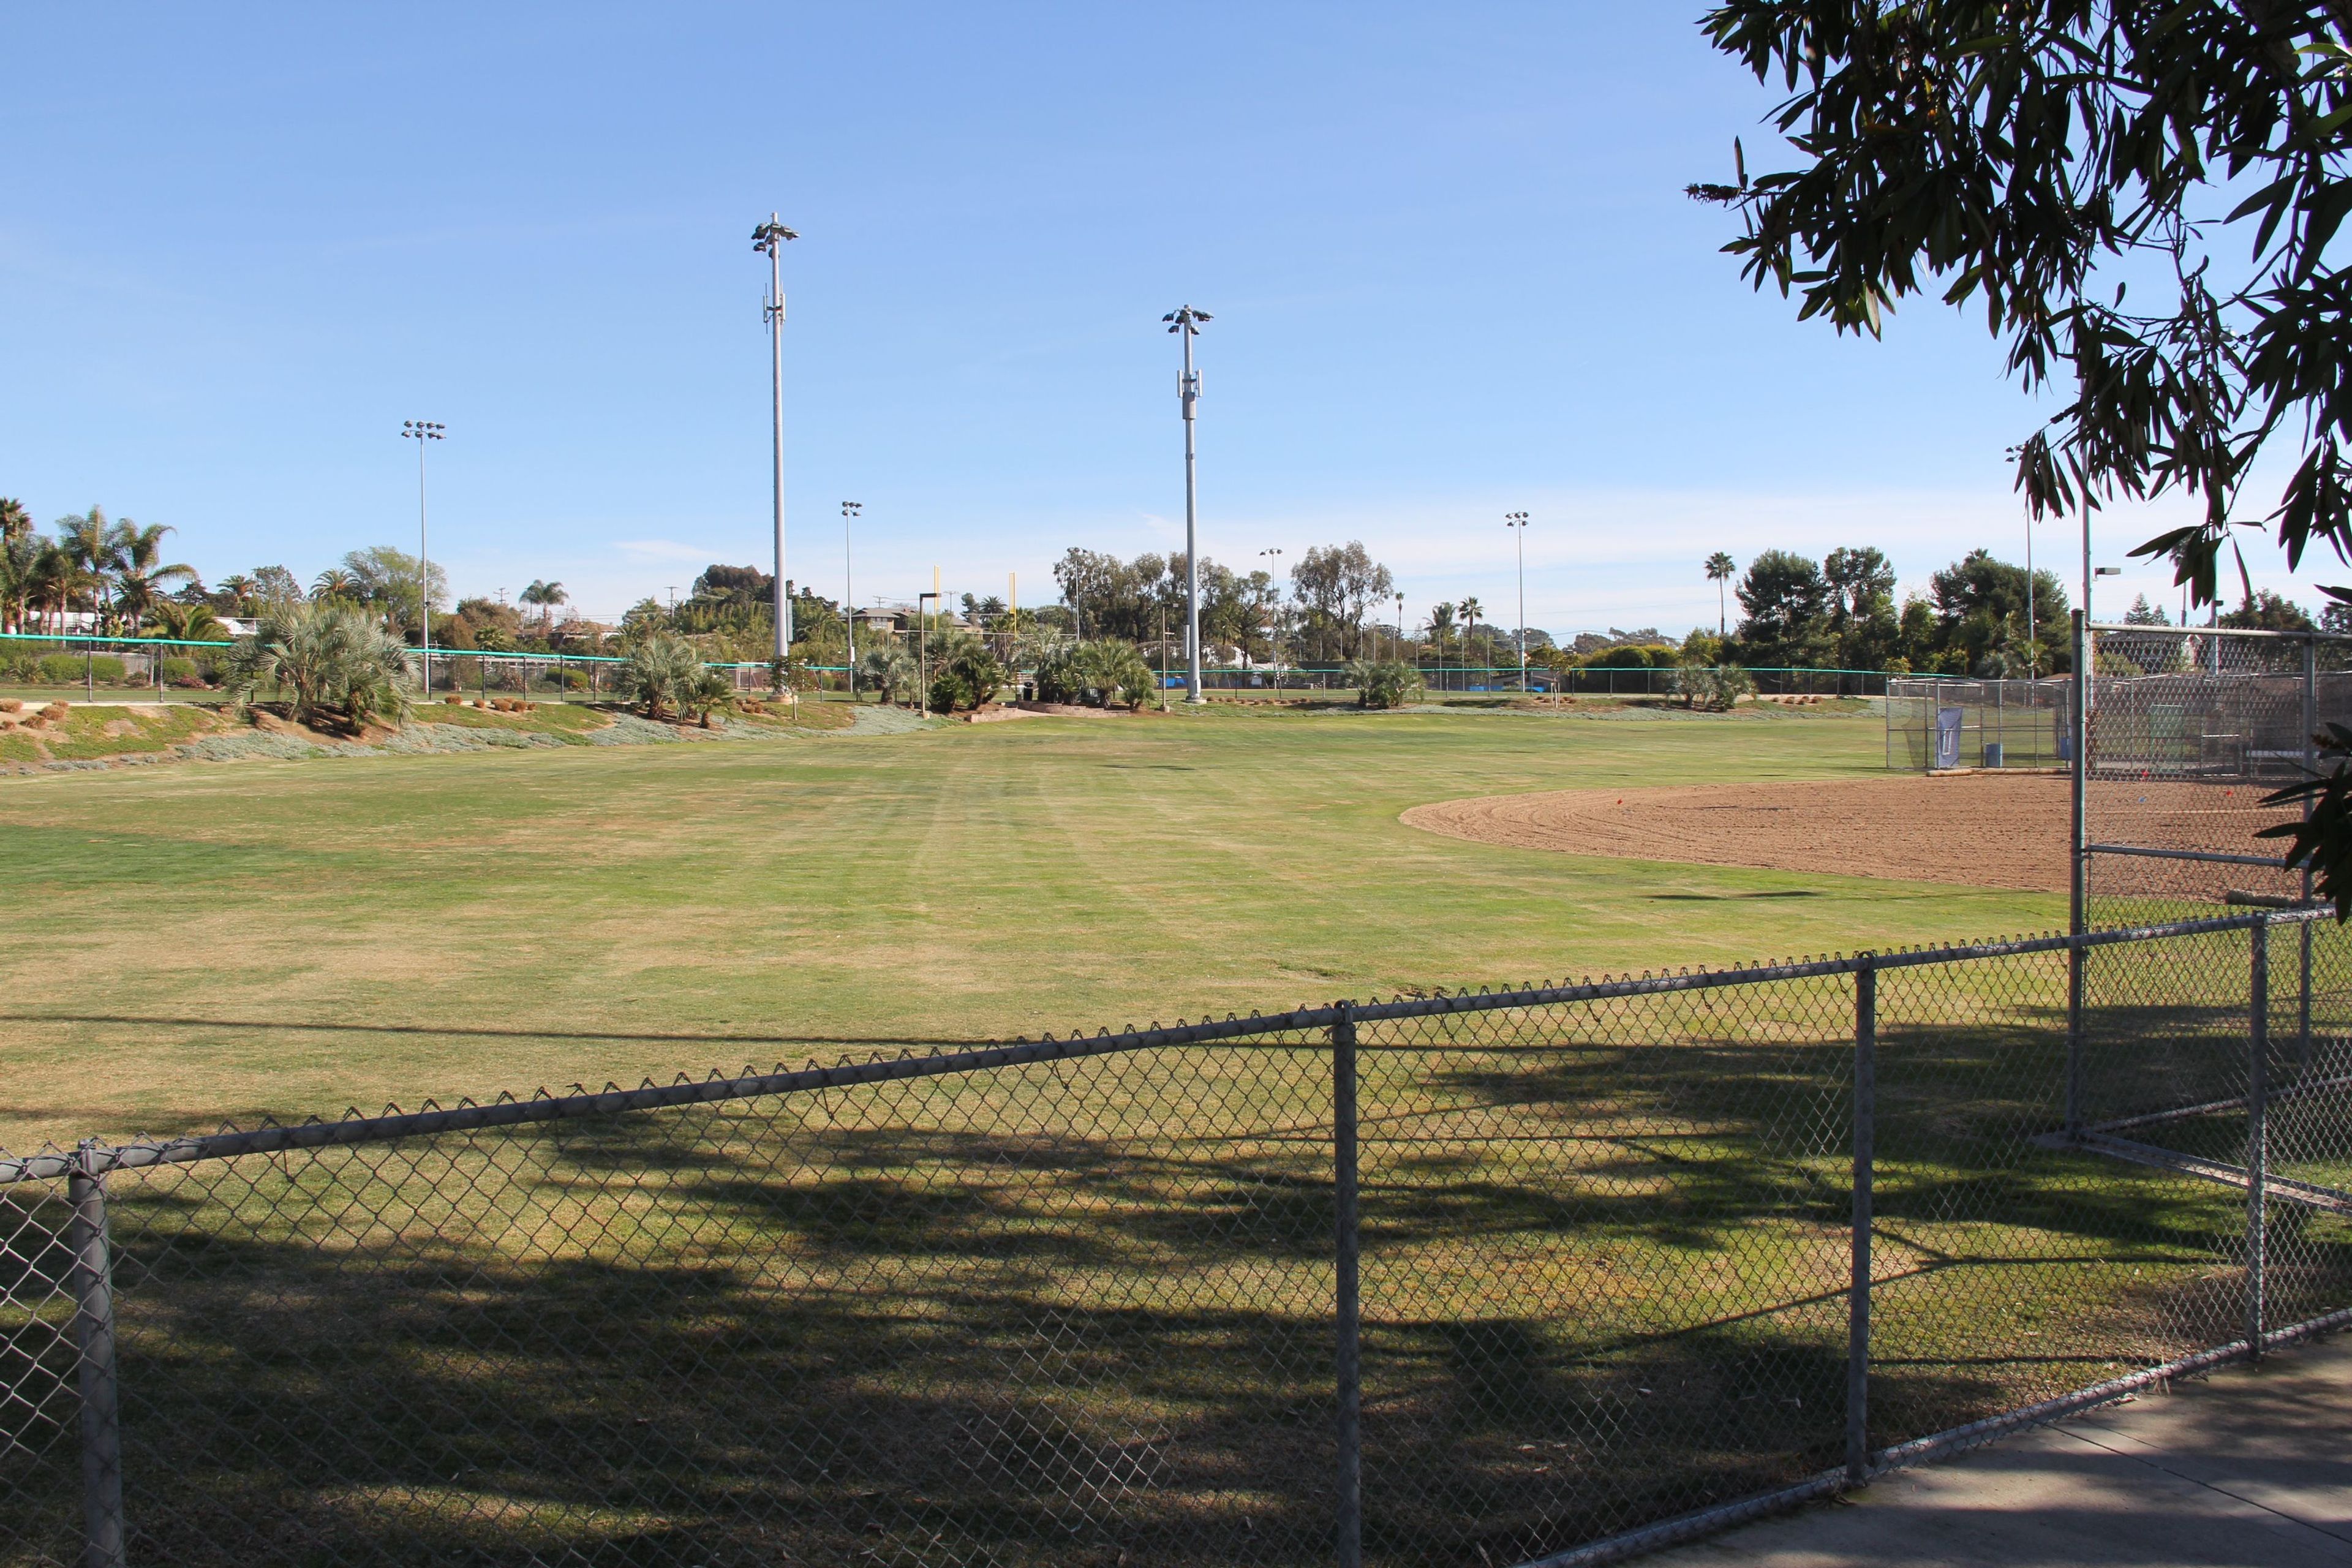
66 668
1096 673
969 676
889 671
1711 688
180 672
1383 682
662 673
332 658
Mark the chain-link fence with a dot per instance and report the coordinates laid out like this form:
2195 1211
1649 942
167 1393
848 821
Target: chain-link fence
1942 723
2189 730
1489 1278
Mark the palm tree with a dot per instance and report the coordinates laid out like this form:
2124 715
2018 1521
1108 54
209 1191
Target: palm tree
1719 569
1471 610
140 572
546 595
239 590
336 585
663 670
88 541
16 523
331 659
189 622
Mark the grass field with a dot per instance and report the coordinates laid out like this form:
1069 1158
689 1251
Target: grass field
290 938
1063 1313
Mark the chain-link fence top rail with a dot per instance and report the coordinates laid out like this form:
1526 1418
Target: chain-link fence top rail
1089 1300
2189 730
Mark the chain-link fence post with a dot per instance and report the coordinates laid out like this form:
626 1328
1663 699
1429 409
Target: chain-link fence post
2079 885
2303 931
101 1426
1865 1118
1348 1365
2257 1143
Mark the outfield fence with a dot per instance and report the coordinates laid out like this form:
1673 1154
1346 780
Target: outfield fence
94 661
1546 1275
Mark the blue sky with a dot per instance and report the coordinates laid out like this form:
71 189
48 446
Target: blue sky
1453 272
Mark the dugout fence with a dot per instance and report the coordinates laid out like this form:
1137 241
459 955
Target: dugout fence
1546 1275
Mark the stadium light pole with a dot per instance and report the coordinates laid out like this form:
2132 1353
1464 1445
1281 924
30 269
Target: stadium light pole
1273 559
922 654
421 431
1516 522
1184 321
769 239
849 511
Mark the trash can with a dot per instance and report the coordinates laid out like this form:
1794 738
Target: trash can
1992 753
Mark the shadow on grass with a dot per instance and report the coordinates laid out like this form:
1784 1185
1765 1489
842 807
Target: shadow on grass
1082 1314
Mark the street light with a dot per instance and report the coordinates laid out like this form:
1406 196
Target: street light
769 239
1516 522
421 431
1184 321
1273 558
849 511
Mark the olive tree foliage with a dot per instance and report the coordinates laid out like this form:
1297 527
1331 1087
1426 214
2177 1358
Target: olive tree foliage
330 660
2140 196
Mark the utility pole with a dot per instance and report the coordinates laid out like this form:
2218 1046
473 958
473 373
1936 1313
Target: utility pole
1185 322
421 431
768 239
1516 522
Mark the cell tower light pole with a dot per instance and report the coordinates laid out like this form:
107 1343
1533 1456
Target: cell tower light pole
849 511
1185 322
768 239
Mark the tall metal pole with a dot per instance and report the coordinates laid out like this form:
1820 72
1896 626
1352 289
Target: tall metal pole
101 1426
2257 1134
2078 899
769 237
1185 323
424 582
1865 1135
1348 1300
849 509
421 431
1517 523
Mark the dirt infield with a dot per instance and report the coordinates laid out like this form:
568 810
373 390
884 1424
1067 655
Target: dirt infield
1985 830
2002 830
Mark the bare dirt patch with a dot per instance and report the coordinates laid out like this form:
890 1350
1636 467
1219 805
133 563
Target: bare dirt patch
1985 830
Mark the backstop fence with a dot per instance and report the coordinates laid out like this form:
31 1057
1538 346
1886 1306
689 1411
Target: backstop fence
1937 724
1546 1275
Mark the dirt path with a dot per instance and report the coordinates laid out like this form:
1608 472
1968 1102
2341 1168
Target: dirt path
1987 830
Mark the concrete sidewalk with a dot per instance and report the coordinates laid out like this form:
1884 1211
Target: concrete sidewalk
2252 1466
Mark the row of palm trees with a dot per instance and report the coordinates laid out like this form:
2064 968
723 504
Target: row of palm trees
112 571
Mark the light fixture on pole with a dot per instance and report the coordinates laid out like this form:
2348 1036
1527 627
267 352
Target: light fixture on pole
421 431
1184 321
1516 522
849 511
769 239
